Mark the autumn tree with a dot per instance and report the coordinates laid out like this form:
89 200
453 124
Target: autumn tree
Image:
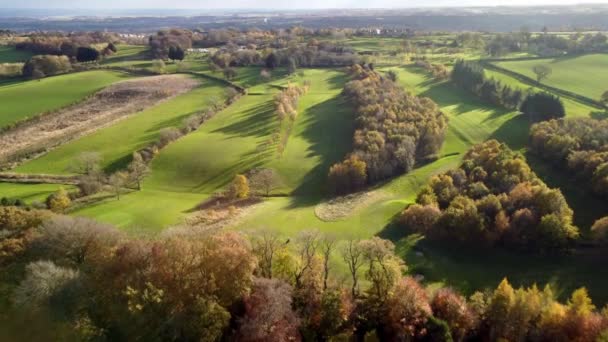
239 188
58 201
43 281
348 176
604 99
352 254
599 229
74 239
268 312
541 71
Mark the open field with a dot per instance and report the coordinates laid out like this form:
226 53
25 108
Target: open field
584 75
8 54
29 192
22 100
116 143
573 107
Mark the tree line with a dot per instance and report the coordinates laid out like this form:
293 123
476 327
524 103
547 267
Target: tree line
77 279
493 198
395 130
538 106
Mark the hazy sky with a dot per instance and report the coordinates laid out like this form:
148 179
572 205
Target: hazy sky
273 4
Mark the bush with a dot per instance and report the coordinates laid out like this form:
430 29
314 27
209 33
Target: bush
46 65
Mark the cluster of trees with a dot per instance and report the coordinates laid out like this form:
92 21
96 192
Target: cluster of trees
493 198
439 71
305 54
286 109
97 283
578 145
395 129
542 106
471 77
46 65
162 42
545 44
63 44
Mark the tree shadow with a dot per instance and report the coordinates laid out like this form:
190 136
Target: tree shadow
329 129
587 207
514 132
258 120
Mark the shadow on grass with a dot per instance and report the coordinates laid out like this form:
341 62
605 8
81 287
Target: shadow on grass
258 120
587 207
514 132
329 130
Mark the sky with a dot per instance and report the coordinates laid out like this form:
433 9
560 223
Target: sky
273 4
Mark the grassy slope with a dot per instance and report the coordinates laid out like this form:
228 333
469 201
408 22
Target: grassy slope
117 142
583 75
8 54
187 171
28 192
50 93
573 108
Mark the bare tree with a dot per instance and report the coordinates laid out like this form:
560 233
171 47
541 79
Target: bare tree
265 245
87 164
265 180
138 169
118 181
74 238
328 243
307 244
353 256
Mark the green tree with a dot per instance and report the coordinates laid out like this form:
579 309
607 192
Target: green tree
542 72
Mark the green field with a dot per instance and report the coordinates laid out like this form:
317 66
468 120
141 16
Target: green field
584 75
22 100
573 107
29 192
116 143
8 54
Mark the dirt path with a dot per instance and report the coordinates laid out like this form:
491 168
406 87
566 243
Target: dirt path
102 109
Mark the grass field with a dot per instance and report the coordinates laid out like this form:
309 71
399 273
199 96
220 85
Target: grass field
29 192
116 143
584 75
189 170
22 100
8 54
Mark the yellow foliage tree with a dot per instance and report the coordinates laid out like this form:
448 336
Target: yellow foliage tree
239 187
59 201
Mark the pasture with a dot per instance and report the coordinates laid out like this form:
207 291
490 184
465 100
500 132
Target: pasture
116 143
584 75
26 99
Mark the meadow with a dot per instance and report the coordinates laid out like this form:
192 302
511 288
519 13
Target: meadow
116 143
26 99
584 75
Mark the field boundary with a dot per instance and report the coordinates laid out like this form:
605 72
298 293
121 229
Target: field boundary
527 80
